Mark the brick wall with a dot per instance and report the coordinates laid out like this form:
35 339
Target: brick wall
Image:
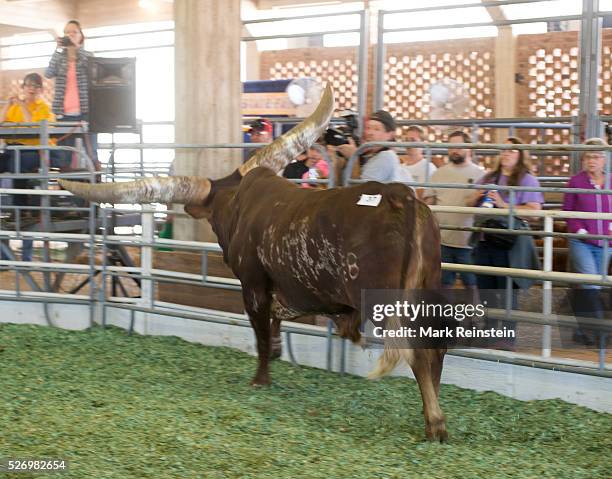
546 68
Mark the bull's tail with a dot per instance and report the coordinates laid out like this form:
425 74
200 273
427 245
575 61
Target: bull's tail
395 350
386 363
415 274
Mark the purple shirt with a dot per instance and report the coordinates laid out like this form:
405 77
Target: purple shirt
587 202
520 197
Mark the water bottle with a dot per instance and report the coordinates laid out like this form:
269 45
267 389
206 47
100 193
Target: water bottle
487 202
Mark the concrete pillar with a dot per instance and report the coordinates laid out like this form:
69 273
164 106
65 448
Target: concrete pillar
207 94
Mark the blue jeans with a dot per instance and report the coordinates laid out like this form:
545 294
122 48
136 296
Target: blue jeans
588 259
451 254
492 288
27 247
29 162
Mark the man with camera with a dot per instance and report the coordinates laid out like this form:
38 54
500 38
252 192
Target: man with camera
377 163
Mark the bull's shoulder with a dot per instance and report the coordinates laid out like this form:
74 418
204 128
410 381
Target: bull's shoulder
392 194
258 175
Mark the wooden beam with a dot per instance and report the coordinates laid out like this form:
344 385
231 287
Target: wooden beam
98 13
49 15
267 4
505 69
497 13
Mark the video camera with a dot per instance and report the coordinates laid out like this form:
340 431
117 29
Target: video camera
340 134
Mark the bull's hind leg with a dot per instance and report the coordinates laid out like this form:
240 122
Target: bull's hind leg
276 350
436 368
423 363
257 304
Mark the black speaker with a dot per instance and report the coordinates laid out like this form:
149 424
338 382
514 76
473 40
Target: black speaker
112 95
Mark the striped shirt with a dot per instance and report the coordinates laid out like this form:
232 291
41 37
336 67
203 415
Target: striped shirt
58 67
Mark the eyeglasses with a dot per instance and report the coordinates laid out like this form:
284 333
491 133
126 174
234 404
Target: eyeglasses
32 85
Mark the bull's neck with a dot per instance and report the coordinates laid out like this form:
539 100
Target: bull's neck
232 180
219 202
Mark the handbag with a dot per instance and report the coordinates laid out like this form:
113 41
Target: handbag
501 240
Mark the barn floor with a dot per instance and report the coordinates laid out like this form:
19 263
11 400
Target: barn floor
119 406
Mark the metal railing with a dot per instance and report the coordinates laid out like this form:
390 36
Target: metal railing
149 276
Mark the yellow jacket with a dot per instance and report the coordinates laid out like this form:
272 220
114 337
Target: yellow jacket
39 110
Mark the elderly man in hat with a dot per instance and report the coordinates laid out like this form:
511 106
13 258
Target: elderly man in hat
260 131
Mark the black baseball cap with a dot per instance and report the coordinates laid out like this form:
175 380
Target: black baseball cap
385 118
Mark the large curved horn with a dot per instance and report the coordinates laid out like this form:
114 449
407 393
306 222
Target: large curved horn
187 190
285 148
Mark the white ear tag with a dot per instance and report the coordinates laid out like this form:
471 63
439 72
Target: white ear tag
369 200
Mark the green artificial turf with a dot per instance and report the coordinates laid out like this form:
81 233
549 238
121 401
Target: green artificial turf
119 406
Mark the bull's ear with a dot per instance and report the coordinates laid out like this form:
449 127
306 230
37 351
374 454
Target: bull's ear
197 211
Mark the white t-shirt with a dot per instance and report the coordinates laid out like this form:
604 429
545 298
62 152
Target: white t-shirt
451 173
420 170
404 175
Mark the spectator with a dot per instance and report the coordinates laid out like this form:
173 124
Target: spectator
587 255
296 169
420 169
30 109
317 164
378 163
68 66
260 131
456 247
513 169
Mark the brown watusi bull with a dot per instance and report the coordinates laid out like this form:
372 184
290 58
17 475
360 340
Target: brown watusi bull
300 251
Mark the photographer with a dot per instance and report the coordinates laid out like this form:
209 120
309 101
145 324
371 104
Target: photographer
68 66
377 163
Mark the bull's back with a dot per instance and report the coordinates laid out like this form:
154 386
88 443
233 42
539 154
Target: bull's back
321 248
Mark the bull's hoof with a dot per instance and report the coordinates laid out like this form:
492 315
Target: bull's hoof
436 432
260 381
275 354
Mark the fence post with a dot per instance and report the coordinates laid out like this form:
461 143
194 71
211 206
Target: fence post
146 262
547 286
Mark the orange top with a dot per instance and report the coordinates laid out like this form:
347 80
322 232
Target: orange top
72 105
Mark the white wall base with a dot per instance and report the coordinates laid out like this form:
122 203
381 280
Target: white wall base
520 382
